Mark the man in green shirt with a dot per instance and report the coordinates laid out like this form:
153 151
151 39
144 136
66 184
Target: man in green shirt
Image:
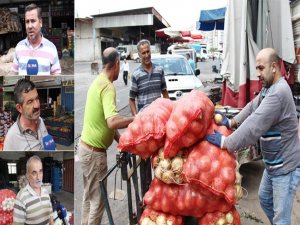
101 121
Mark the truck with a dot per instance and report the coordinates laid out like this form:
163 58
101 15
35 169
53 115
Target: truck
126 51
201 52
182 49
10 29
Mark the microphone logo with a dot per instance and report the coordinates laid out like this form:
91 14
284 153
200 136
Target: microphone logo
32 67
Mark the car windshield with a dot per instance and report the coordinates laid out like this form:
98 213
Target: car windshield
174 66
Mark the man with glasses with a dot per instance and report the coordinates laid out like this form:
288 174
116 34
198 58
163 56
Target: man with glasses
271 118
29 132
33 205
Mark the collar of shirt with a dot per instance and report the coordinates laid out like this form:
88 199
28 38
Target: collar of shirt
28 44
32 192
28 131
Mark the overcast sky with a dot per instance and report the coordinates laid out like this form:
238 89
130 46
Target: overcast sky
179 14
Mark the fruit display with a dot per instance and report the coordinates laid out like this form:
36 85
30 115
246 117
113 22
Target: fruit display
61 128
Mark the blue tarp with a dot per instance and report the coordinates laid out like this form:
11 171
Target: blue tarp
212 19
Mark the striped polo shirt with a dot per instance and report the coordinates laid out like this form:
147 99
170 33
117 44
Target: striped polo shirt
45 54
32 208
147 87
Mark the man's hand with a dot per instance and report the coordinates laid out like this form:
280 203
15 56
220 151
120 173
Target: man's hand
222 122
216 139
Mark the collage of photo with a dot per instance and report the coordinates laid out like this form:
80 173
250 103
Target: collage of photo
149 112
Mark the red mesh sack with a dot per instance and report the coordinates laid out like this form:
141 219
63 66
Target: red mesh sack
188 122
146 134
7 198
159 218
183 200
211 168
232 217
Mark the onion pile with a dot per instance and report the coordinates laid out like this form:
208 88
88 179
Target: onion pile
152 217
168 170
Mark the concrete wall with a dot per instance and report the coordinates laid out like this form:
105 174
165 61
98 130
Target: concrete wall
85 48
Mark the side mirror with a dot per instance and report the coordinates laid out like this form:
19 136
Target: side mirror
197 72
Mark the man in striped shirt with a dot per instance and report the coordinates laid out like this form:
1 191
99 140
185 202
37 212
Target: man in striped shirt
35 55
33 205
147 84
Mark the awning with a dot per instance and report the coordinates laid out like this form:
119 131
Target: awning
212 19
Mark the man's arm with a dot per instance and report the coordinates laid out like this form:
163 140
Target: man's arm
117 136
165 93
118 122
132 106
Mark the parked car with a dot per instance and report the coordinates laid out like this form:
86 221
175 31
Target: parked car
181 79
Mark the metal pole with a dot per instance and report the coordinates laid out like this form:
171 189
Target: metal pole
136 187
106 203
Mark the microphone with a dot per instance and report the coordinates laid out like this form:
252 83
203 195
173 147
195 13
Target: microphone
48 142
32 67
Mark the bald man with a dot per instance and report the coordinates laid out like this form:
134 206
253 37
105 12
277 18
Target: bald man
271 118
101 121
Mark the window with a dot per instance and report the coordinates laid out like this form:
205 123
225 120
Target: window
12 168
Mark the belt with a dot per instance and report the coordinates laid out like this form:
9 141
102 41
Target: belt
92 148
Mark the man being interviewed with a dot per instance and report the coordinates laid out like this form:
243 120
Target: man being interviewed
35 55
29 132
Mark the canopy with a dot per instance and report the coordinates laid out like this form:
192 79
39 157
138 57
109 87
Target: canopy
251 25
178 35
212 19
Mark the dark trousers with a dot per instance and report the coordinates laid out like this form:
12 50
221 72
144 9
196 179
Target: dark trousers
125 76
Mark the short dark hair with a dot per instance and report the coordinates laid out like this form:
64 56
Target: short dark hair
142 42
108 60
22 86
32 7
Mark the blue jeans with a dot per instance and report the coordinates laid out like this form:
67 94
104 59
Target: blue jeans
276 195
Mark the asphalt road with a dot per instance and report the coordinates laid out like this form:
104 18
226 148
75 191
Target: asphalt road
248 207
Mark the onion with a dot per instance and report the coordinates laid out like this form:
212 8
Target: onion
178 179
161 153
167 177
238 192
177 164
157 172
238 178
221 221
169 222
229 217
151 222
218 118
161 220
237 167
165 164
145 221
155 161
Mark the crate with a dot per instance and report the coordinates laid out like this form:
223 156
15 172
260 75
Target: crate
69 135
63 141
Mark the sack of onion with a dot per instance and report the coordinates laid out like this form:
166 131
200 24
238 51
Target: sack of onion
183 200
191 116
146 134
231 217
